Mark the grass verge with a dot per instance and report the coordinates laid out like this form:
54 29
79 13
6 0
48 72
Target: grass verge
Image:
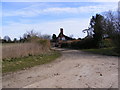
103 51
15 64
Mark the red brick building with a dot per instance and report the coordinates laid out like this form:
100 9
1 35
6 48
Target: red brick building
63 37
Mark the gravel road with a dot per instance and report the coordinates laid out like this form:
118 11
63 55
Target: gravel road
74 69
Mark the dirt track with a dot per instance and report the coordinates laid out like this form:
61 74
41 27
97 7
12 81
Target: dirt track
75 69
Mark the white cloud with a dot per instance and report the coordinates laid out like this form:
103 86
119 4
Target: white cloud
71 26
36 10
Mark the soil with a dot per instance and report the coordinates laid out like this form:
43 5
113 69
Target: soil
74 69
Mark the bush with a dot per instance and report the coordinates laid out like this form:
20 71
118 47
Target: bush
116 41
106 43
83 44
64 45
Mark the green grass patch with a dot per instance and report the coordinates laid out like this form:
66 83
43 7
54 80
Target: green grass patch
15 64
103 51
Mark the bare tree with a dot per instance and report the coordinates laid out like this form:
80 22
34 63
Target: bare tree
89 32
7 39
113 27
32 33
46 36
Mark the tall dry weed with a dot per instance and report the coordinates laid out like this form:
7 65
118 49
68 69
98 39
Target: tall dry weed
17 50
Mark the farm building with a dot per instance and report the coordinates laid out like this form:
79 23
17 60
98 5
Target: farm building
63 37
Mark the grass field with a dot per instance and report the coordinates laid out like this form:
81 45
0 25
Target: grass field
103 51
15 64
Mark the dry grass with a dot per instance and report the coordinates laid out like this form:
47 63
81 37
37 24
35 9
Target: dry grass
22 63
25 49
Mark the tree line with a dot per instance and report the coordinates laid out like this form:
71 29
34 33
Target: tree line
25 38
105 26
101 27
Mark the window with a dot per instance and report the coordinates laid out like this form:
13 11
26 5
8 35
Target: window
63 38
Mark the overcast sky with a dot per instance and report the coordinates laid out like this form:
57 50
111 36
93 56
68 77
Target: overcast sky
49 17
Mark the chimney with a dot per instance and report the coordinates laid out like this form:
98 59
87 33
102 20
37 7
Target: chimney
61 30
